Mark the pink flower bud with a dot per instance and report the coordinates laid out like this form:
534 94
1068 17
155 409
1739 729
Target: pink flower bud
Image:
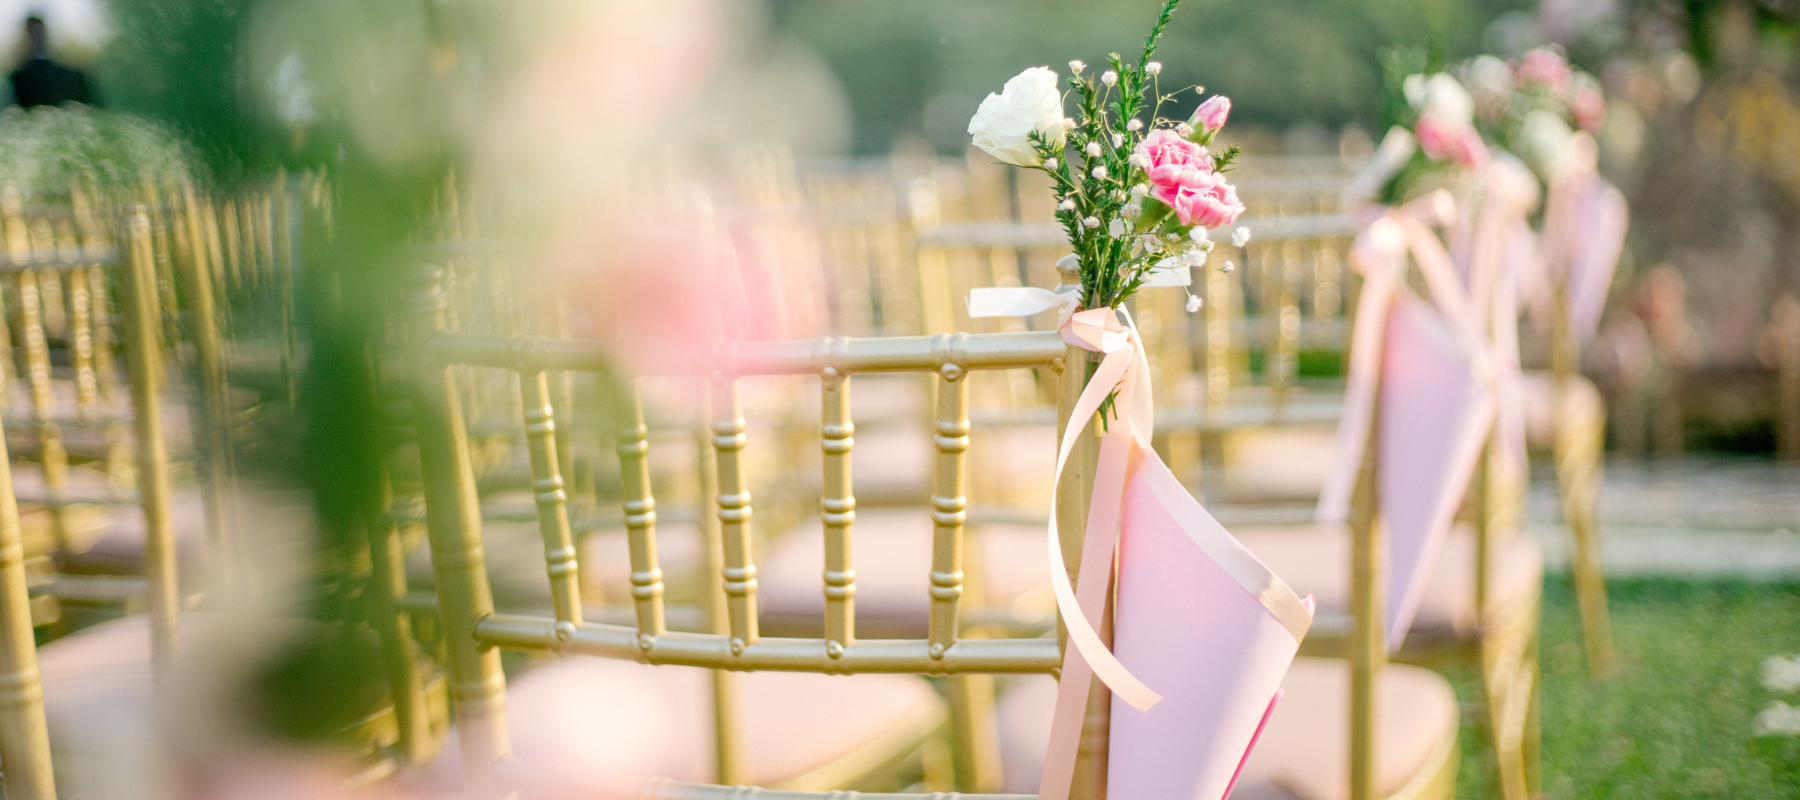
1211 115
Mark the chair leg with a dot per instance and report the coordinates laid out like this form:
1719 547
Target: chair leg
1532 748
1500 673
975 739
1578 470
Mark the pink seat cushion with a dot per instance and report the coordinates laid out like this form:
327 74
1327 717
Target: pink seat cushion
891 552
520 582
118 542
1274 464
1315 559
1303 752
1583 406
592 724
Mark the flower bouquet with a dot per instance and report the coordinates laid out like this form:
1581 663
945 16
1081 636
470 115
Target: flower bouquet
1136 192
1202 631
1533 107
1431 142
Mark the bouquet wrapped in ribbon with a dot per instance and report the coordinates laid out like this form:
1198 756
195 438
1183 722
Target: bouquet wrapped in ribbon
1202 631
1532 107
1431 143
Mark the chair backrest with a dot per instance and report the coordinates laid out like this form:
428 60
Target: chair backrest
475 633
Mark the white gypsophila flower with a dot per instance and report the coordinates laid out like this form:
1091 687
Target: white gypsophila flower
1140 161
1227 267
1193 303
1076 66
1197 234
1100 172
1140 190
1118 140
1173 237
1051 163
1109 77
1150 243
1004 122
1066 205
1779 719
1206 246
1132 209
1781 674
1093 149
1134 125
1068 123
1091 222
1115 228
1240 237
1184 129
1153 68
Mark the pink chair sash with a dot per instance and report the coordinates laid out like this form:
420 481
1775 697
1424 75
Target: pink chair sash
1436 378
1585 221
1212 628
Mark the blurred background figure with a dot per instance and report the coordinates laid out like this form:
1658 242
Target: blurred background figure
40 80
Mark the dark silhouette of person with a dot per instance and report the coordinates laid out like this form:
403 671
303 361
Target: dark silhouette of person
40 81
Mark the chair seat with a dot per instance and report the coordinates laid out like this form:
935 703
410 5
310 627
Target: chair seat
1583 406
1274 464
891 552
110 732
116 540
515 563
1315 559
586 724
1303 751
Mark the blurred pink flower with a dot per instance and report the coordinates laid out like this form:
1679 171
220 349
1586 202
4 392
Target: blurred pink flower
1211 115
1589 108
1171 160
1545 68
1205 199
1443 140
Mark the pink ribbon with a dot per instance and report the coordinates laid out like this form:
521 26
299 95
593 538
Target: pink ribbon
1585 220
1436 430
1379 254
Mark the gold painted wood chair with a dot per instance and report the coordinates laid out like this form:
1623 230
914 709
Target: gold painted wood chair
62 271
24 737
475 633
1481 603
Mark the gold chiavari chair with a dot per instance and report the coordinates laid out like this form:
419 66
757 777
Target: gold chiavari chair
24 733
1480 607
473 631
1356 728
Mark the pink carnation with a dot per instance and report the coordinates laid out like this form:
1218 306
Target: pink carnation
1589 108
1443 140
1170 160
1545 68
1205 200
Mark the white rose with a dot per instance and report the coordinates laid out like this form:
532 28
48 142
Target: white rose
1542 137
1490 79
1030 102
1440 95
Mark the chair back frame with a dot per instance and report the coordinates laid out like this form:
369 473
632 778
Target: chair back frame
475 632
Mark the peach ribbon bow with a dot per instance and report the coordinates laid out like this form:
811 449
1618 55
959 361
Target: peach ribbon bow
1126 460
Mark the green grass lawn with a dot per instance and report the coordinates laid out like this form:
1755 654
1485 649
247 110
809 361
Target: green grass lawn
1675 721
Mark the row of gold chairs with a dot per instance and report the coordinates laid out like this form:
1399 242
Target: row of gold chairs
1496 634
